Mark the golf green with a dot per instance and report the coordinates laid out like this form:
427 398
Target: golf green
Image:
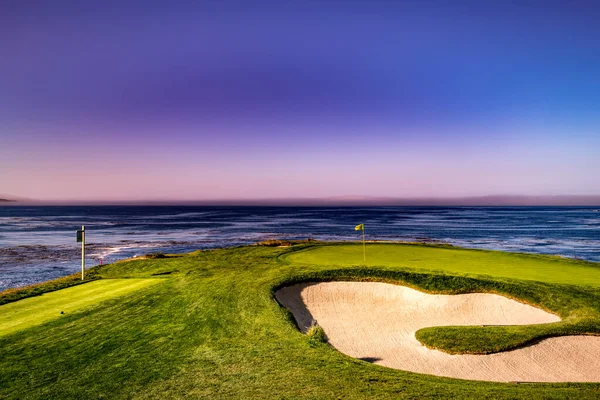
455 261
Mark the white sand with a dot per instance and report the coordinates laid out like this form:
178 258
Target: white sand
377 322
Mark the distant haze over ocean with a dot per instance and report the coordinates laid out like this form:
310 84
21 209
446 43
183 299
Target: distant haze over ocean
491 200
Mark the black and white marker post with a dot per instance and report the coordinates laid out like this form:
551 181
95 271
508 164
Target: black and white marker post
81 238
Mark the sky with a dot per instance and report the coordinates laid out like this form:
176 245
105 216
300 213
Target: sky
196 100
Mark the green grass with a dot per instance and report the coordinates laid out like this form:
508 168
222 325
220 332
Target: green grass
520 266
37 310
11 295
212 329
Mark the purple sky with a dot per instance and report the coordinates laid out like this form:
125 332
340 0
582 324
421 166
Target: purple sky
212 100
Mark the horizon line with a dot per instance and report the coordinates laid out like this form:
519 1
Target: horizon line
483 200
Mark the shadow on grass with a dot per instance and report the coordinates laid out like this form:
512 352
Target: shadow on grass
369 359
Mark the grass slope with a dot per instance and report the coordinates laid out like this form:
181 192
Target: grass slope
37 310
213 330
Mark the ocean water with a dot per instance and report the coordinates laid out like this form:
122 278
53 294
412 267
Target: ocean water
38 243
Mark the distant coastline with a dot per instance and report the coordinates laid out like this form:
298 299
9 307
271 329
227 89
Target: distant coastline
344 201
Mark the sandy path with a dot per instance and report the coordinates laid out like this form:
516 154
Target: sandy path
377 322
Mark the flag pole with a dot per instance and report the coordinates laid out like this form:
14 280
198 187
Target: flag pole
364 248
82 252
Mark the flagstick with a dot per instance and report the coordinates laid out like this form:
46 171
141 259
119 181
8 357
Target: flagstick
82 252
364 248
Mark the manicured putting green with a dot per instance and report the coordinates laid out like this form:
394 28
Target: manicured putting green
37 310
461 261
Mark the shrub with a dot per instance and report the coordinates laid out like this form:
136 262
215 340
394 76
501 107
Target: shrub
316 334
159 254
284 242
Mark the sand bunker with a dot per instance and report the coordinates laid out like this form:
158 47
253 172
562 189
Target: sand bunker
377 322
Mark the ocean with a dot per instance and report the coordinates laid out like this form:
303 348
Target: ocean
38 243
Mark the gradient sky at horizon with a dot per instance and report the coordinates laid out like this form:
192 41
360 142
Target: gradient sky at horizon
135 100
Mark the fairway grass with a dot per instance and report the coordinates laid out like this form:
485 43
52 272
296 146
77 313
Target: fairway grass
48 306
496 264
212 329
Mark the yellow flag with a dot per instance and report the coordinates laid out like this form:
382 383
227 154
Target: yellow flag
360 227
